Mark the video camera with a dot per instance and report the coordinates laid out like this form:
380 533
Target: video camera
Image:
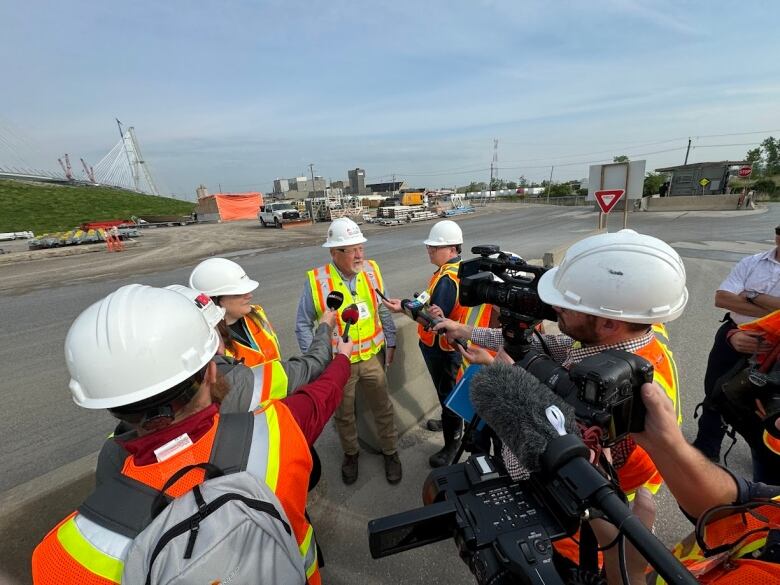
503 529
604 389
510 283
505 280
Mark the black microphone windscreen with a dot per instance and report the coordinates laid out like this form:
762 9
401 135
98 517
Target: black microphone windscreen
513 402
334 300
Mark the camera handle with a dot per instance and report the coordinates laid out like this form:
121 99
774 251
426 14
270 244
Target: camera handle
466 438
517 330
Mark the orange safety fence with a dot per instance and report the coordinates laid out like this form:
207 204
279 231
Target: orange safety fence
238 206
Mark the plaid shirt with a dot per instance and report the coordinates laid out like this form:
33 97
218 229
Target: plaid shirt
567 352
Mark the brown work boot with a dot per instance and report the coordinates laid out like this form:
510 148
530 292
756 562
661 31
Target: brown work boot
393 471
349 468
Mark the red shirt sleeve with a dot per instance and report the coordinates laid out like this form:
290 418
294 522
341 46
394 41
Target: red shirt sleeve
313 404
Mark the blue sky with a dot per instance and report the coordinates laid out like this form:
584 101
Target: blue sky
238 93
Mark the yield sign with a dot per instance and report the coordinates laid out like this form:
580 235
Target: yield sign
608 199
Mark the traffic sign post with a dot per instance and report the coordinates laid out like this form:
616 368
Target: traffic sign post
606 200
704 181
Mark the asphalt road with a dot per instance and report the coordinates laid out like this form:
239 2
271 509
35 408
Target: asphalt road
43 429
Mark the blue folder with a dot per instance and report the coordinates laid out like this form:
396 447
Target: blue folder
459 402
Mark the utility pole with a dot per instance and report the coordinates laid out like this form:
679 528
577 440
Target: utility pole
549 184
313 188
688 150
493 165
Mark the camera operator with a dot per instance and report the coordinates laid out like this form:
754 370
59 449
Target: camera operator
611 291
734 515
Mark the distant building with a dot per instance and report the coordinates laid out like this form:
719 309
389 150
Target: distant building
688 179
202 192
357 181
388 188
281 186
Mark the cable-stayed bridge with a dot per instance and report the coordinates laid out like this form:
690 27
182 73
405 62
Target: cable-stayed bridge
123 166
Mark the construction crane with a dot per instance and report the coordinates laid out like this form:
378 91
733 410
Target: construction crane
88 171
66 167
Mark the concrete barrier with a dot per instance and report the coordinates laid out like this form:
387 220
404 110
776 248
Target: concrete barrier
692 203
409 384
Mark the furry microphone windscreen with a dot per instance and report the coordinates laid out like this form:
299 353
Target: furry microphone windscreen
513 403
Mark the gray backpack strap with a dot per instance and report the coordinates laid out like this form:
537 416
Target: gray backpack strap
233 442
119 503
124 505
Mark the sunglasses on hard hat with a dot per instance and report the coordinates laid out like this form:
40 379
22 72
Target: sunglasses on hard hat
159 411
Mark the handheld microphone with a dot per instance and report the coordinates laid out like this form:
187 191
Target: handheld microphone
334 300
418 311
522 411
350 316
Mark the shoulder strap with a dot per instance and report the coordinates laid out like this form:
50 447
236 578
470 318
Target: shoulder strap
124 505
230 451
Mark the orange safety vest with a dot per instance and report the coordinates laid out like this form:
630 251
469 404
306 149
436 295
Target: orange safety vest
81 551
367 334
639 470
262 355
429 338
739 566
478 316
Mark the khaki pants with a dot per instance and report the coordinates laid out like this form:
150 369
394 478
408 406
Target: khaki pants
373 389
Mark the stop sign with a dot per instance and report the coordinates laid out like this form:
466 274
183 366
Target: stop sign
745 171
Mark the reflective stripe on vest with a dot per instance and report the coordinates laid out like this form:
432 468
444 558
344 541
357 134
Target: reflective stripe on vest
367 334
429 338
285 467
478 316
270 383
95 548
772 443
263 343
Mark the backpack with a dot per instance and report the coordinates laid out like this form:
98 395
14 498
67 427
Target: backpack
229 529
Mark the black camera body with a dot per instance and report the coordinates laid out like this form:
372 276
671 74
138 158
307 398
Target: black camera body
501 527
516 291
604 389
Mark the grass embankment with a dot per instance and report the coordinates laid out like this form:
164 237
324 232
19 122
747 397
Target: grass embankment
43 207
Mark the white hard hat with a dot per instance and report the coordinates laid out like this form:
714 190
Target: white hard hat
220 276
623 275
445 233
211 312
343 232
134 344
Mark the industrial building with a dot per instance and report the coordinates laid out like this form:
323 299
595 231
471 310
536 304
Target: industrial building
704 178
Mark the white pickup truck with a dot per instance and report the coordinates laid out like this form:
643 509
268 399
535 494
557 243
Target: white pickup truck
276 214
